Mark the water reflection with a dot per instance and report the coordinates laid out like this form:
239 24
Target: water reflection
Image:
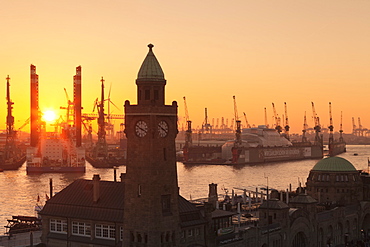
19 191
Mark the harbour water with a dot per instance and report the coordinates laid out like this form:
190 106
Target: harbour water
19 191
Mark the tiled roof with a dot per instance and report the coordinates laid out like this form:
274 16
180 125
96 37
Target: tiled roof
303 199
273 204
76 201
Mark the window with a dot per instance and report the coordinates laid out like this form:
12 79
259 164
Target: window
147 94
166 204
121 233
190 232
59 226
197 231
156 94
81 228
105 231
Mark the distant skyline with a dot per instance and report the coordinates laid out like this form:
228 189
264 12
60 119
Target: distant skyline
260 51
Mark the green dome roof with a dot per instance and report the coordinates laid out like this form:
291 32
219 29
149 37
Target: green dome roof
334 164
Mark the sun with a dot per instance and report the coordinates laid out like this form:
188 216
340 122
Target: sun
49 116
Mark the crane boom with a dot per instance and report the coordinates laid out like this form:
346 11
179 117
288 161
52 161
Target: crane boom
246 121
341 128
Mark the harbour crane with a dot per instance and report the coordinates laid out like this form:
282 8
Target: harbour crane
317 127
236 149
304 138
206 126
277 120
354 128
360 130
188 132
238 131
266 122
331 127
246 121
70 110
286 127
341 128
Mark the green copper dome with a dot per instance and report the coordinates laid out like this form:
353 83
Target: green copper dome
334 164
150 69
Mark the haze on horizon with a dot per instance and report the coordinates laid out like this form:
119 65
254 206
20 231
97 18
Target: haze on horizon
260 51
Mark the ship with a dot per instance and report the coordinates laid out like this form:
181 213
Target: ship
101 154
12 152
255 145
56 153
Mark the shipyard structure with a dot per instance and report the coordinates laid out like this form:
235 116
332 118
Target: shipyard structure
53 151
144 207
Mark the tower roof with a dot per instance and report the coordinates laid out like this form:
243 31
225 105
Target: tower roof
150 69
334 164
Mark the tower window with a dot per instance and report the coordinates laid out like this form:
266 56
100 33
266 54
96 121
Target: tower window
139 94
166 204
156 94
147 94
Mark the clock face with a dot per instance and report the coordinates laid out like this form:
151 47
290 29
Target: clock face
141 128
162 128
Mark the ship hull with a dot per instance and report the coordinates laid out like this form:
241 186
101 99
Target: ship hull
336 148
104 163
12 165
252 155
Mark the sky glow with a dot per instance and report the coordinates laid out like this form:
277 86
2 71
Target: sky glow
260 51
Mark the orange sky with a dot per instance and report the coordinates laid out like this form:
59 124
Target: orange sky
261 51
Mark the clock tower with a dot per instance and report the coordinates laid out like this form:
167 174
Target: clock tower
151 210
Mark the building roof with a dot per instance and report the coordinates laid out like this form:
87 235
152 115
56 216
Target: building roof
150 69
303 199
76 201
273 204
334 164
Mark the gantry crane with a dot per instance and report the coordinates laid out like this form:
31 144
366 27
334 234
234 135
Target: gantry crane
360 130
286 127
277 120
354 129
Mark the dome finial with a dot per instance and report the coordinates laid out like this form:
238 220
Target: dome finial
150 46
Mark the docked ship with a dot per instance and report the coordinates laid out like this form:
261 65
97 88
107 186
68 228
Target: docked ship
100 154
12 153
54 151
256 145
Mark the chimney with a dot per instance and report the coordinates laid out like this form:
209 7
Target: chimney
212 195
96 187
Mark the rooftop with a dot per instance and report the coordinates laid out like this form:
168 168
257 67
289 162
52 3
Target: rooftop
334 164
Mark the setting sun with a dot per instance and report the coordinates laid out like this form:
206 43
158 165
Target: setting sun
49 116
